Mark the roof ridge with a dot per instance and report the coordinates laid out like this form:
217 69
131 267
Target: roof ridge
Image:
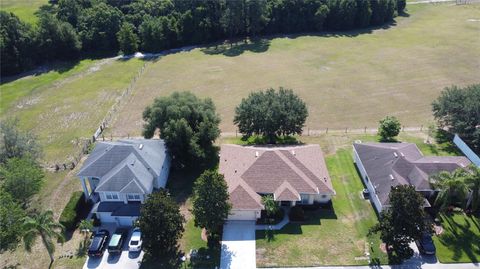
241 183
284 187
135 179
297 170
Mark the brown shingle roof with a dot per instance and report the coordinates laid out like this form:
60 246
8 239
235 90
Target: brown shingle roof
285 171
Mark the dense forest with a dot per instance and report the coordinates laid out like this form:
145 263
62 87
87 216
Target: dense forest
67 29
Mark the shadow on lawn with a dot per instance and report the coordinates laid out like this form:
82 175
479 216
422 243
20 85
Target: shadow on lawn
313 217
460 238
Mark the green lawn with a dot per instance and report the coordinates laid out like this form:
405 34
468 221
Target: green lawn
329 237
348 79
24 9
64 108
460 241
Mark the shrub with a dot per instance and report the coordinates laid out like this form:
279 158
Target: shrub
96 220
73 211
296 214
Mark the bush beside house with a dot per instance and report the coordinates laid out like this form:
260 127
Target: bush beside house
74 211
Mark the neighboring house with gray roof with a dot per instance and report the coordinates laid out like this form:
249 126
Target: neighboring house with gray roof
293 175
120 174
385 165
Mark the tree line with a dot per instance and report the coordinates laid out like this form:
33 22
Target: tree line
67 29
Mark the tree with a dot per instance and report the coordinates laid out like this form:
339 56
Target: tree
210 202
389 128
11 217
271 113
271 207
43 225
15 143
401 4
17 43
98 27
127 39
401 223
162 226
256 15
233 18
188 125
56 39
320 16
473 182
22 178
364 13
452 188
458 111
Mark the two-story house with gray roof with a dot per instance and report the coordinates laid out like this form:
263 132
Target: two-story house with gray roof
119 175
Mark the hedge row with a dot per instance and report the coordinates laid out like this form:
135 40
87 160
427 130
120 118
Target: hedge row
74 211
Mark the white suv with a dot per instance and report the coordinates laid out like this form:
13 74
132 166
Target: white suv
135 243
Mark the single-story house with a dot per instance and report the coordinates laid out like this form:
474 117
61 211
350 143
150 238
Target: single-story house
385 165
293 175
119 175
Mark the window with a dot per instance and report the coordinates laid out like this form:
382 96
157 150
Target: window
111 196
324 196
133 197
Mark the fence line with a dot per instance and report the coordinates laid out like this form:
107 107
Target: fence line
84 145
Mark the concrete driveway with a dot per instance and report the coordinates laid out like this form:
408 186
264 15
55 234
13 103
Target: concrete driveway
238 245
125 260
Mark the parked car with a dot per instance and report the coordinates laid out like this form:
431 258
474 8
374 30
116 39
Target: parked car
425 245
135 243
98 244
116 242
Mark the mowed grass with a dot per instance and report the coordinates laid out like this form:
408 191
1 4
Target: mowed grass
460 241
24 9
11 93
65 110
348 79
330 237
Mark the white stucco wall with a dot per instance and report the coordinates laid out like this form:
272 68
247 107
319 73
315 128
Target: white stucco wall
373 196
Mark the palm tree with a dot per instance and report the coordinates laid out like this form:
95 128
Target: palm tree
43 225
473 183
452 187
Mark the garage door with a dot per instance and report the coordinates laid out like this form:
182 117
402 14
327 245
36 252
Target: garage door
242 215
126 221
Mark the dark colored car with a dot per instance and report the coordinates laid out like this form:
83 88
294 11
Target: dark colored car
425 245
98 244
116 242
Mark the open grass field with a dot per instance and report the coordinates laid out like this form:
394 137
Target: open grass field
62 108
349 79
24 9
460 240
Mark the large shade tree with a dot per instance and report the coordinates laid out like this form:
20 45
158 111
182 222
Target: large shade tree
11 218
188 124
211 203
162 226
17 143
458 111
452 188
44 226
402 223
22 178
271 113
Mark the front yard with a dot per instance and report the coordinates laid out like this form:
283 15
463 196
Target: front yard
328 237
460 240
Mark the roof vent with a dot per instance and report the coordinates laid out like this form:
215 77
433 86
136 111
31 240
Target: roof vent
401 154
325 179
358 141
140 147
293 152
391 177
235 170
256 154
462 165
395 154
133 162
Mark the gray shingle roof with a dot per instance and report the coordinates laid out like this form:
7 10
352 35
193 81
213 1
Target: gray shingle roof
120 208
392 164
125 166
